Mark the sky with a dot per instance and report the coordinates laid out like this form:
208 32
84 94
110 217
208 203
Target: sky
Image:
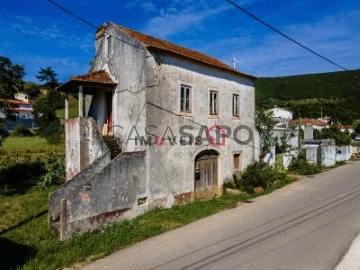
37 34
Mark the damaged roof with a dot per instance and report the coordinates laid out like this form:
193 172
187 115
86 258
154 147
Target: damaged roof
160 44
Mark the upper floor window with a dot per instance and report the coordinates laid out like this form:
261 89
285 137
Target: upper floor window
214 103
109 41
235 105
185 98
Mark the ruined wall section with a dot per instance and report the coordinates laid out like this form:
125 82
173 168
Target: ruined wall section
111 195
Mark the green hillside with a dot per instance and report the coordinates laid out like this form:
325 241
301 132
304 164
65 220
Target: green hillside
335 94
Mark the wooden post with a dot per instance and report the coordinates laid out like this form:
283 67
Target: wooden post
63 220
66 106
81 102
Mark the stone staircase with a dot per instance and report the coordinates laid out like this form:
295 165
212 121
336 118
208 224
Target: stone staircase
113 145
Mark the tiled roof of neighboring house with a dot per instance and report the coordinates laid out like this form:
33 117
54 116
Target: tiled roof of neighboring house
306 121
16 101
156 43
98 78
23 110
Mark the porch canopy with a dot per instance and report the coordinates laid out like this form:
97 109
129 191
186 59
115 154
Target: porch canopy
85 84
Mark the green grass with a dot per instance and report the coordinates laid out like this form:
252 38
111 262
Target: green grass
73 108
24 230
30 145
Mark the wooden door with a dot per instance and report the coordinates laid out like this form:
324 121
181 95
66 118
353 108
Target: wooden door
206 175
108 120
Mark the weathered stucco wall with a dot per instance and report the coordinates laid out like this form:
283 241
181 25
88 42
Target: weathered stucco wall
84 145
172 166
112 194
343 153
127 66
321 152
146 100
71 186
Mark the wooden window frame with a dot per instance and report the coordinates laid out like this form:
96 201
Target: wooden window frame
185 99
236 158
236 105
214 102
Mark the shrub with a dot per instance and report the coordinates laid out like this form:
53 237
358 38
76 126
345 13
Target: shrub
22 131
302 167
55 174
18 173
229 183
260 175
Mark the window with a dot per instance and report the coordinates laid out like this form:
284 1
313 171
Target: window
214 103
235 105
109 42
237 162
185 98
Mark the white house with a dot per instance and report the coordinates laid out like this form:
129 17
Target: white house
281 115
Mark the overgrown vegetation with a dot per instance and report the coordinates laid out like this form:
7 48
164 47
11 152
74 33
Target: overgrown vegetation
334 94
333 132
264 125
46 105
259 175
26 163
22 131
301 166
18 173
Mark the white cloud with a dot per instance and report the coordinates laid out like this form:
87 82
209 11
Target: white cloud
335 37
171 22
146 6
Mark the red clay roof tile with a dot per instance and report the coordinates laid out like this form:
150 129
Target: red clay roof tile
152 42
100 76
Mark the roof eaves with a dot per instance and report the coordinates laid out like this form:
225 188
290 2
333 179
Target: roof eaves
158 44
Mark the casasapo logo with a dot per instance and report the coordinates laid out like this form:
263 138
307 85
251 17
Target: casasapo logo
215 135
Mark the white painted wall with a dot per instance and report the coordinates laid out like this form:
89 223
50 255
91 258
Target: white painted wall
281 114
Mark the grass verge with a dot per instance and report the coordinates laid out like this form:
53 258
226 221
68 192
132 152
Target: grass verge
14 144
24 230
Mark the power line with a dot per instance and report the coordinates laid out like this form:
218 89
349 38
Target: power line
89 23
289 38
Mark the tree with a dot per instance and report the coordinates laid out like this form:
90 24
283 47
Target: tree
11 78
49 124
356 126
48 76
11 82
333 132
265 125
32 90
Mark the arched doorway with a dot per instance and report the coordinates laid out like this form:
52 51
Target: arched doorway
206 174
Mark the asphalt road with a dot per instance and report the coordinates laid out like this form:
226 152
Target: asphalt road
309 224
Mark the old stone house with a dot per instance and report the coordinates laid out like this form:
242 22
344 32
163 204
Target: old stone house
158 125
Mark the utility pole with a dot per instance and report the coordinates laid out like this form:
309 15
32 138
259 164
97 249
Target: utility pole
321 113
